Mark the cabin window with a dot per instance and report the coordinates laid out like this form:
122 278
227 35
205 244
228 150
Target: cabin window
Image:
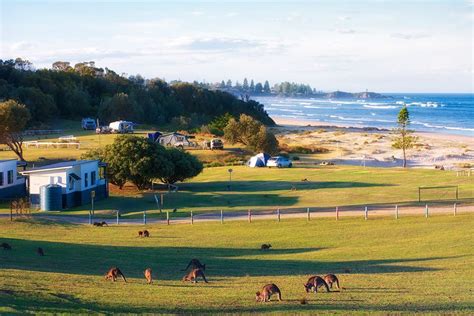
86 180
93 178
10 177
1 179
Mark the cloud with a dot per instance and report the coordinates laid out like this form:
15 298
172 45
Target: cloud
21 46
197 13
409 36
344 18
346 31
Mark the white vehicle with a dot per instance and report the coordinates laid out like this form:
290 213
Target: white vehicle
121 127
279 162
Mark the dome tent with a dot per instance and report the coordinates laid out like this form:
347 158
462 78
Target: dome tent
259 160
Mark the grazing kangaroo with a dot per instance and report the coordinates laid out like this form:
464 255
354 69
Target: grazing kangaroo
148 275
265 247
314 283
146 233
100 224
5 246
113 273
193 275
331 279
140 234
195 264
40 251
267 291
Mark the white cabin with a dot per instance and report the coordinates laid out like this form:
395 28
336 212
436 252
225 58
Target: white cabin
77 178
12 184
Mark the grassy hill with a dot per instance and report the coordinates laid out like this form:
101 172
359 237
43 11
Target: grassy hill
412 265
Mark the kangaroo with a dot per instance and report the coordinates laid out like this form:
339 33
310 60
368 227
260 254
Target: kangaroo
267 291
331 279
40 251
314 283
100 224
265 247
140 234
113 273
192 276
146 233
195 264
5 246
148 275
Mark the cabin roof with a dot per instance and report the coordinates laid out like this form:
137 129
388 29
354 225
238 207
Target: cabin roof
59 165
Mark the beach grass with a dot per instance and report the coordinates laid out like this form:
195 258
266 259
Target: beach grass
413 265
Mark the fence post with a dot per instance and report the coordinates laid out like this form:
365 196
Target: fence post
250 216
308 214
455 209
192 218
426 211
337 213
118 216
366 213
396 211
167 217
144 217
457 191
222 217
90 218
278 215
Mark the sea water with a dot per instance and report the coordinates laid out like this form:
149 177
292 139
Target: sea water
442 113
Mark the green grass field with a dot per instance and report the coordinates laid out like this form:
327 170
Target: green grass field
386 266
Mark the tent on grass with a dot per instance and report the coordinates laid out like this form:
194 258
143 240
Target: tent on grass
259 160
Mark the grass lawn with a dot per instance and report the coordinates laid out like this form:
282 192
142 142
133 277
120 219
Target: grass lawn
386 266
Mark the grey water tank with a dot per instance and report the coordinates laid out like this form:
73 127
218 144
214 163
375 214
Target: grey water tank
51 197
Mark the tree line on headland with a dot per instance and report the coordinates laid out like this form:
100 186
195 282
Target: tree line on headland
73 91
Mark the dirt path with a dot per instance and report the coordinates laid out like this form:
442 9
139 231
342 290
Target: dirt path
343 212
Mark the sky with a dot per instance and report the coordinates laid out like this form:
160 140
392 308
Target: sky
382 46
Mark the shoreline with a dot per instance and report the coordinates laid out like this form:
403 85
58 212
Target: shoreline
301 123
371 146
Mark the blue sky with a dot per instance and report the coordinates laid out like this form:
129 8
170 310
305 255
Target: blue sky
388 46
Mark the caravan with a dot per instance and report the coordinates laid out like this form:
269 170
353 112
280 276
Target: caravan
121 127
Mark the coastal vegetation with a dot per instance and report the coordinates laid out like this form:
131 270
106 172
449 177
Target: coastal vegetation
73 92
403 140
14 118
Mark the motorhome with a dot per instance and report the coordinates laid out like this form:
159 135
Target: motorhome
121 127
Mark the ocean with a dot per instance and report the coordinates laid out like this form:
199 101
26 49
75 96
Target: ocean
441 113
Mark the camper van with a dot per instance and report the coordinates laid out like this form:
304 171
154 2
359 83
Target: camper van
121 127
88 124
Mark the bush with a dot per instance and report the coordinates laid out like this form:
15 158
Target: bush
296 158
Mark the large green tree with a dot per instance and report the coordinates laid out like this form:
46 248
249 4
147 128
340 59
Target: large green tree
251 133
185 166
403 139
14 118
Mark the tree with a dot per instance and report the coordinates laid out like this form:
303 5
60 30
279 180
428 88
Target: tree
252 86
14 117
222 85
251 133
61 66
229 83
404 140
258 88
185 166
266 87
245 85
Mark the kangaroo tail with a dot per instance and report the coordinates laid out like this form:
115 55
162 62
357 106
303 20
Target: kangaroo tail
204 278
327 286
122 275
337 284
279 296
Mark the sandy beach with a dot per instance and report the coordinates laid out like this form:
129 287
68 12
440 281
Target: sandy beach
358 145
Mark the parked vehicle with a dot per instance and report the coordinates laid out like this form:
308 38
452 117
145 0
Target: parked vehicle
103 130
280 162
88 124
212 144
121 127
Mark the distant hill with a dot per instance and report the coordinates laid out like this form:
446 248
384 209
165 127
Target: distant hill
84 90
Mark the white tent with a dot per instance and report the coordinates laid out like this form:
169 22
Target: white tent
259 160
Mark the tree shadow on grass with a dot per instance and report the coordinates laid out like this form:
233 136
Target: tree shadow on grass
85 259
260 185
20 301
